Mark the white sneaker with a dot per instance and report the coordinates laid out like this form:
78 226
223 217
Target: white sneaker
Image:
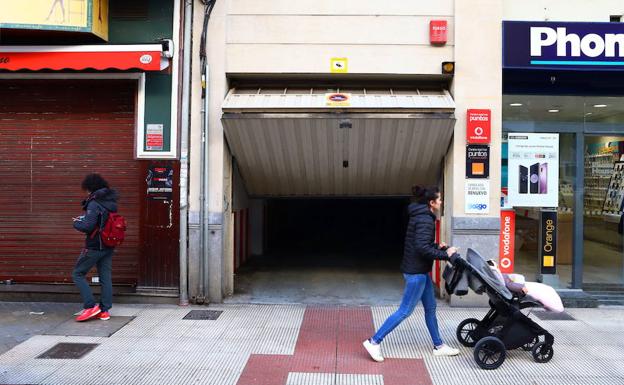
445 350
373 350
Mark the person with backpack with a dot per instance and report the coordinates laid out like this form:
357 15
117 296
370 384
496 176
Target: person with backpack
100 207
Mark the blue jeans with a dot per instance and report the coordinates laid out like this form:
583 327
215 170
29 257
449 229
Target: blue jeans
417 287
103 259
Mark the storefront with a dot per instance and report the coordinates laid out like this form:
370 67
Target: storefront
561 79
71 108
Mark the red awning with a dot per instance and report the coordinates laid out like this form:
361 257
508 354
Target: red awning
145 57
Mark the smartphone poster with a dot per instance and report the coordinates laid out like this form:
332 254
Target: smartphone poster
533 170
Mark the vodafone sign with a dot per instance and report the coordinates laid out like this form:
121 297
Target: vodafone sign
507 241
478 123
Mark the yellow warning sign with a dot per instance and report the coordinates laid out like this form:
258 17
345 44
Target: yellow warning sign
339 65
549 261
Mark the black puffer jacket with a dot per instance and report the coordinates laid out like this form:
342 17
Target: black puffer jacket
96 207
420 247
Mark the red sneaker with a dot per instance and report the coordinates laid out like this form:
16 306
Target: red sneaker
104 316
89 313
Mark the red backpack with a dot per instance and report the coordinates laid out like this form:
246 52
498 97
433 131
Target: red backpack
114 230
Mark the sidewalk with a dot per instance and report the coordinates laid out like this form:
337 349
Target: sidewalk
299 345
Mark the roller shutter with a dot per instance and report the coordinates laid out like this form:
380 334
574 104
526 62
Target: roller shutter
52 133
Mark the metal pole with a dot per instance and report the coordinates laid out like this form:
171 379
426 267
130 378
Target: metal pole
579 191
205 181
184 132
201 295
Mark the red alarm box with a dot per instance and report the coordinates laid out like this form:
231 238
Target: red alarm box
437 32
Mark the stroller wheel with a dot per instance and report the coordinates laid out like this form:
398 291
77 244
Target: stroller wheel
529 346
489 353
467 333
542 352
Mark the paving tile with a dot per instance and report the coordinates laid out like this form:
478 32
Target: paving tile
92 328
27 374
132 358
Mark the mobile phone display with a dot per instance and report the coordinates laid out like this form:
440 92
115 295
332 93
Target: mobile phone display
543 178
523 180
534 178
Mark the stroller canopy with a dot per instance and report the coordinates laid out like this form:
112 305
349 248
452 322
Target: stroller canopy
480 267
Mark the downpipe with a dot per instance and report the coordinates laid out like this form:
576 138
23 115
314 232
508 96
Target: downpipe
184 132
204 154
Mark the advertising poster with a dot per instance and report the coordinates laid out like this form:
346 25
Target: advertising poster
507 241
159 182
477 161
478 126
548 241
533 170
477 196
154 137
61 15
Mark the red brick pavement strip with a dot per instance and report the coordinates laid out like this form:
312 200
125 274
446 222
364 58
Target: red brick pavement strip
330 341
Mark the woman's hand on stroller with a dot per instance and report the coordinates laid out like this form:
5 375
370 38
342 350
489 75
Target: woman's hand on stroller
454 257
450 251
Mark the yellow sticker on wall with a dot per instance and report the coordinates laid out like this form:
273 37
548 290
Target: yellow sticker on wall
549 261
339 65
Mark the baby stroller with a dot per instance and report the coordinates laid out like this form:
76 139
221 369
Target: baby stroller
504 326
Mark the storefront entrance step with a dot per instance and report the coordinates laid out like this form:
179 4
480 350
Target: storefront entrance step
577 299
593 287
19 292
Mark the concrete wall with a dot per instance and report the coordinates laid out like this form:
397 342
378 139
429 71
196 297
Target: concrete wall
219 277
240 198
256 226
477 84
277 36
562 10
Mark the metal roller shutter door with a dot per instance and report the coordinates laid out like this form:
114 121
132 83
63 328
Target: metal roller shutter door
52 133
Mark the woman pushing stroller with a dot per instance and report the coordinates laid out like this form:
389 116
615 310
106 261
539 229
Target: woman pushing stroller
419 253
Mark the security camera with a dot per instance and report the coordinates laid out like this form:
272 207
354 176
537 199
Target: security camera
167 47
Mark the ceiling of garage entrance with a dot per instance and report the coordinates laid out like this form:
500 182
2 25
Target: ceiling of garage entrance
330 152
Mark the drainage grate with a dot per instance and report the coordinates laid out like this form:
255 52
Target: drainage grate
70 351
203 314
550 316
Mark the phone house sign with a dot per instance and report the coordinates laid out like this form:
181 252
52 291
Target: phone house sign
598 46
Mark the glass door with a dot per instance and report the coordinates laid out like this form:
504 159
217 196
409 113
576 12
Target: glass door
603 197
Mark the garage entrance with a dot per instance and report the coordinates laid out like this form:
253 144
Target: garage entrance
327 251
326 187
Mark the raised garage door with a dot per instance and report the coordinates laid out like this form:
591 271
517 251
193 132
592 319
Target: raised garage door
52 133
294 143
